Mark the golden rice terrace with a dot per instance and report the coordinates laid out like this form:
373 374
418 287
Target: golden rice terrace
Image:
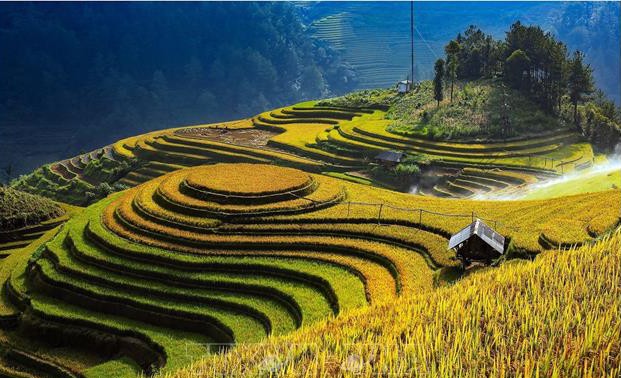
221 240
208 257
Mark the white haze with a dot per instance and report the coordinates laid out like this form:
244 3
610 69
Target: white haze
613 164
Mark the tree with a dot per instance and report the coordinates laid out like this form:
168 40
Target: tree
516 65
579 81
438 79
607 107
452 49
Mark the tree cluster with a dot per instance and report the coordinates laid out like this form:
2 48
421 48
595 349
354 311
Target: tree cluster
538 65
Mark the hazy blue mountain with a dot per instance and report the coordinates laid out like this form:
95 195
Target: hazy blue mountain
76 76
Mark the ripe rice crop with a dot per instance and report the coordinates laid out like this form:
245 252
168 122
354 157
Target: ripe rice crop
169 191
523 221
247 179
237 252
558 316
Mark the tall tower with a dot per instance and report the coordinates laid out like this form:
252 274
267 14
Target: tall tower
412 40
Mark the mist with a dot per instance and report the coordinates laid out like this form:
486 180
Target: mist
612 164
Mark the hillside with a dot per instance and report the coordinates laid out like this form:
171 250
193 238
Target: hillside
25 217
120 75
233 253
341 137
474 114
464 226
556 316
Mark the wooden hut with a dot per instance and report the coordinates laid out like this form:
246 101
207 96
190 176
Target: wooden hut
477 242
389 159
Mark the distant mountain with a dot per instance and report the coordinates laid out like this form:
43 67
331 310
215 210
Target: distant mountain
75 76
375 36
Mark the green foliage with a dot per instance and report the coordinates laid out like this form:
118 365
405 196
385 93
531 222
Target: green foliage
452 50
368 98
19 209
477 55
475 113
438 83
515 66
407 170
536 64
406 107
105 169
602 130
403 174
84 189
579 81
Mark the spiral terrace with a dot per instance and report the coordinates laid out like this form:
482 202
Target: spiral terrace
157 266
231 253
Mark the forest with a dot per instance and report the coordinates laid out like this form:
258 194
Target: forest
127 68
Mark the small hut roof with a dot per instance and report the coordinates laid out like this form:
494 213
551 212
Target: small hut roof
483 231
393 156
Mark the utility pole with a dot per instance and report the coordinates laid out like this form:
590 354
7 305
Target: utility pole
412 39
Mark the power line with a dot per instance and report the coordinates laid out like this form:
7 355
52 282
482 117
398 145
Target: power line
426 43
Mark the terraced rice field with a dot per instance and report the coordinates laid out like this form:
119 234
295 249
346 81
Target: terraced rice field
22 237
556 316
375 40
351 137
168 150
69 180
25 217
205 257
315 138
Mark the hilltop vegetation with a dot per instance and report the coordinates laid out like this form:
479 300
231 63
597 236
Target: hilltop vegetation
539 66
490 89
556 316
475 112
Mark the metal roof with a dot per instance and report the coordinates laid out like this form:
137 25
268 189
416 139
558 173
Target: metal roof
390 156
491 237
